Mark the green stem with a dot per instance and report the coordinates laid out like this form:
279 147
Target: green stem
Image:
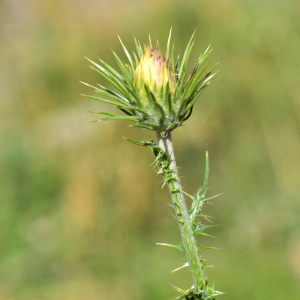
187 236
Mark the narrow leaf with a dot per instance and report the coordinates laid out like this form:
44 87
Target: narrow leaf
112 70
115 82
150 102
171 61
101 99
108 93
127 54
150 41
136 119
186 55
143 126
168 44
162 117
195 98
152 125
138 48
127 73
125 111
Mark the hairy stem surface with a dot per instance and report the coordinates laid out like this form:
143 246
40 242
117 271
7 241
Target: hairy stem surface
187 236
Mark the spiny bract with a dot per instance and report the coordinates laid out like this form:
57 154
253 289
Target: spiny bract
153 90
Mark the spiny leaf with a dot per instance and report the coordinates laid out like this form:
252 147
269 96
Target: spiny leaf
125 111
168 44
109 93
117 81
175 95
208 292
176 67
119 86
198 88
98 66
138 48
208 248
183 266
199 228
192 83
118 105
183 101
136 59
202 191
202 233
157 45
136 119
135 142
195 98
177 289
100 99
162 115
186 55
207 199
143 126
168 103
206 265
127 74
196 207
127 54
105 113
171 61
152 125
112 70
188 114
150 102
190 196
131 108
180 247
202 58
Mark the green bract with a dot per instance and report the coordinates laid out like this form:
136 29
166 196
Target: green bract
154 91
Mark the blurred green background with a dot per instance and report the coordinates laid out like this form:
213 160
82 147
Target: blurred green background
81 210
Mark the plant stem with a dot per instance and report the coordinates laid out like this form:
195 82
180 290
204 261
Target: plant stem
187 236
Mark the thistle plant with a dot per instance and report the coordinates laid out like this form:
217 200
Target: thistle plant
156 92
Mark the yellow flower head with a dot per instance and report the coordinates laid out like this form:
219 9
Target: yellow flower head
153 71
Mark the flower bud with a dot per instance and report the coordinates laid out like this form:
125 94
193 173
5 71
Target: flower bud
153 91
153 71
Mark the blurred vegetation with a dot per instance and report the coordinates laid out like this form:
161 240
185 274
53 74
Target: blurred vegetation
81 209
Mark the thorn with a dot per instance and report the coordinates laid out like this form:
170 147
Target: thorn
101 86
170 205
153 162
185 265
207 199
177 288
208 220
180 247
193 198
172 214
153 168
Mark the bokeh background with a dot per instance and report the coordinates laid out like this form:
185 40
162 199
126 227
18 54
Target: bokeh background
81 210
